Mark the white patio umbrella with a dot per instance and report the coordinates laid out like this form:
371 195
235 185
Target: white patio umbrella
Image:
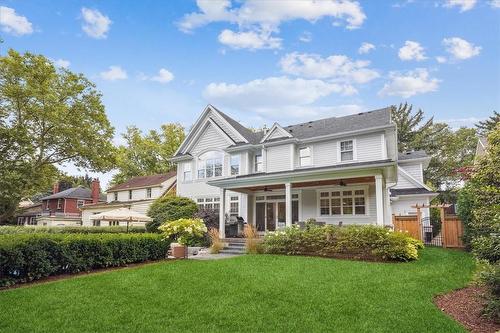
122 214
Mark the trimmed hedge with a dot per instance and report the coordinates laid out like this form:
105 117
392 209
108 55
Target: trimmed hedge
5 230
356 242
27 257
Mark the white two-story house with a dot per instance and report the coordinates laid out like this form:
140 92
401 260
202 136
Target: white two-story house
336 170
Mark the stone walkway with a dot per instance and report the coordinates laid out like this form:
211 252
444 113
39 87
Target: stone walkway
203 254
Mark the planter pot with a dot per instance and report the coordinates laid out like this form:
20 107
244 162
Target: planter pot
179 251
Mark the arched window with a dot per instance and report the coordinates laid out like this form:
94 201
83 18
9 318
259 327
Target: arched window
210 164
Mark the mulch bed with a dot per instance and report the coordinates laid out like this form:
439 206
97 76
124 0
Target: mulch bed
465 306
53 278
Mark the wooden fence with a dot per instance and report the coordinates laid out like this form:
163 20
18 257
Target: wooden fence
451 233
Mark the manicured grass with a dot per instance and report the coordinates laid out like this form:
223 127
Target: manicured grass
248 293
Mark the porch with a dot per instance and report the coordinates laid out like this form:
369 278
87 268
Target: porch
273 203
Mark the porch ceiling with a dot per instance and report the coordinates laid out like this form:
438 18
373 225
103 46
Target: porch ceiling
316 183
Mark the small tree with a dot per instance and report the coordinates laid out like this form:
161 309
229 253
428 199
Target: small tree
170 208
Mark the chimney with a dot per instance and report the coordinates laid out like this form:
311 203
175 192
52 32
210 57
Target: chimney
96 191
55 188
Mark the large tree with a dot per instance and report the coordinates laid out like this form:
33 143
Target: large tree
48 116
449 149
147 154
486 126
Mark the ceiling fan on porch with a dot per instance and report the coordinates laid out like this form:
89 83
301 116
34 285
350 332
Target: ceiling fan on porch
341 183
267 189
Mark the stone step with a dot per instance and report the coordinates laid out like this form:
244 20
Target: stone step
231 251
236 245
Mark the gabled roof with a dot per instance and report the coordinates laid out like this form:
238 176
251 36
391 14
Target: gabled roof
79 192
143 181
248 134
276 129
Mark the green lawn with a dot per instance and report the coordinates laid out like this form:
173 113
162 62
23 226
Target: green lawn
247 293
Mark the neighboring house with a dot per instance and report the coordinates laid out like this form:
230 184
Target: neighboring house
344 169
64 208
28 214
481 148
137 194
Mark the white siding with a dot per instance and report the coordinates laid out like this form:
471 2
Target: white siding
369 147
403 206
414 170
404 182
140 207
324 153
277 133
278 158
210 138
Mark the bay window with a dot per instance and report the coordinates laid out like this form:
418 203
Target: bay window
342 202
210 165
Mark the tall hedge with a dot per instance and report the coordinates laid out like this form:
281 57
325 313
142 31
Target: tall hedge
69 230
27 257
170 208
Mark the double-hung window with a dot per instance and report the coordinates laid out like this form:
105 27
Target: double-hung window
80 203
187 172
342 202
305 156
210 165
148 192
130 194
115 196
346 150
59 204
209 203
259 165
235 165
234 206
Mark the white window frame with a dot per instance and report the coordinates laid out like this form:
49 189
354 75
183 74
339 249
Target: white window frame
208 203
340 189
59 204
47 205
115 196
149 192
309 156
234 201
202 165
256 163
231 164
80 203
354 151
187 174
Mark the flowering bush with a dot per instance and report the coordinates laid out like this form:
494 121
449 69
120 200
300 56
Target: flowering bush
357 242
184 231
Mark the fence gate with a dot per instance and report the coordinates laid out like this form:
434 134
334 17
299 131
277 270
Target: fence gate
450 234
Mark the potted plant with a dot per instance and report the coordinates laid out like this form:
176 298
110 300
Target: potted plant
182 232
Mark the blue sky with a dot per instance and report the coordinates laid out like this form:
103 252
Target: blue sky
266 61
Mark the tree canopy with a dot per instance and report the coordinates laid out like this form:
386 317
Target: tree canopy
147 154
449 149
48 116
488 125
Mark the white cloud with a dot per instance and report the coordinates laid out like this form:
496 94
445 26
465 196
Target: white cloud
114 73
164 76
271 93
13 23
495 3
249 40
441 59
306 36
96 24
366 48
412 51
338 68
256 18
62 63
410 83
464 5
460 49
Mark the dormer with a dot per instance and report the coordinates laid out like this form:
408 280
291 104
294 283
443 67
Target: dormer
276 132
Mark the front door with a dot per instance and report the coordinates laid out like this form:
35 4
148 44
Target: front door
271 216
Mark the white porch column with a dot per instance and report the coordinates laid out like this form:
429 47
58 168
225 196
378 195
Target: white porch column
288 204
222 213
379 197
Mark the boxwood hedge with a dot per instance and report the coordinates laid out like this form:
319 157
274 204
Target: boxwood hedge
356 242
68 230
27 257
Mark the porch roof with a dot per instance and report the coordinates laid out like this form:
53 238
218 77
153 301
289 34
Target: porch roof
351 170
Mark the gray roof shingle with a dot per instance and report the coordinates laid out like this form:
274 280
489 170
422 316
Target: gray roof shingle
74 192
143 181
410 191
411 155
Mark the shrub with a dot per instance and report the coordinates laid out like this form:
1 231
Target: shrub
170 208
185 231
215 242
357 242
490 276
4 230
27 257
209 216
